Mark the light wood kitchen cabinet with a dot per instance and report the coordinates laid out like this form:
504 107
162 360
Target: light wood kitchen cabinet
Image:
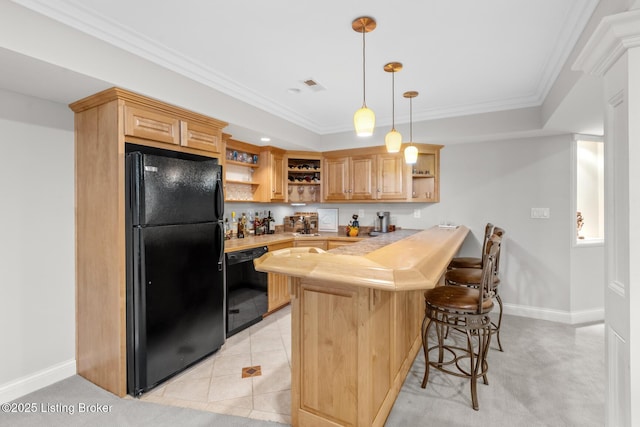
271 175
241 181
143 123
365 175
153 125
336 187
349 178
304 173
390 182
371 175
362 184
199 137
424 175
278 284
104 124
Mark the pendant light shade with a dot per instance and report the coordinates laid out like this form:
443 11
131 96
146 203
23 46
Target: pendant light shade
393 139
410 152
364 120
411 155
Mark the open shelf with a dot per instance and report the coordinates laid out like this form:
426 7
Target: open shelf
296 170
236 163
232 181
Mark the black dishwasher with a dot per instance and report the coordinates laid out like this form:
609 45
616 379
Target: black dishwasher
246 290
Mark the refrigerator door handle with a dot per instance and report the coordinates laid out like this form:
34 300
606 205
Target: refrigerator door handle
219 202
221 256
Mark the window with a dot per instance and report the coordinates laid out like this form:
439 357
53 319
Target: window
589 189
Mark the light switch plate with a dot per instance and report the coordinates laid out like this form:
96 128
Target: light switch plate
540 213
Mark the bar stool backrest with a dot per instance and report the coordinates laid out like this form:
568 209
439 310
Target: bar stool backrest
497 231
488 231
488 268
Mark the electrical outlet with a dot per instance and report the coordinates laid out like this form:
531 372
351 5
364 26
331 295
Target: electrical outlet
360 213
416 213
540 213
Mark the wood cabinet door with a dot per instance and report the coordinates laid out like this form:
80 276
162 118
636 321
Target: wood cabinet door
363 173
278 284
277 177
390 177
150 125
336 178
277 291
200 137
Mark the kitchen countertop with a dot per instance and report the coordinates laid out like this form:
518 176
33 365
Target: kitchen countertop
396 261
249 242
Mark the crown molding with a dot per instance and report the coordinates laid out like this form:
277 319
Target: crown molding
76 16
611 39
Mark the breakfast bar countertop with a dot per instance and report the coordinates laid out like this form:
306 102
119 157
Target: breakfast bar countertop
396 261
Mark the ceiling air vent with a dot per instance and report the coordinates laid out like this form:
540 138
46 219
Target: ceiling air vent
313 85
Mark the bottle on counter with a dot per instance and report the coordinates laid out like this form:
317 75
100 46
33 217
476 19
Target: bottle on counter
265 223
234 224
257 224
272 224
241 226
227 229
249 225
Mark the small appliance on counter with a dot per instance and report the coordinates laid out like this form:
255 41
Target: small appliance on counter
301 222
383 222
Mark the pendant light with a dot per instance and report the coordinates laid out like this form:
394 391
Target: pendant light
410 152
393 139
364 120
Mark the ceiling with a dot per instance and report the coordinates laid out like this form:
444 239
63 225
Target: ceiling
463 57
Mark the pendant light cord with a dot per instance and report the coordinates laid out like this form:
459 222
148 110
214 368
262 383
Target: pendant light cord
411 120
364 72
393 103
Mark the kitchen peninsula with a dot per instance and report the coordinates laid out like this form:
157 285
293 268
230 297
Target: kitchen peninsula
356 316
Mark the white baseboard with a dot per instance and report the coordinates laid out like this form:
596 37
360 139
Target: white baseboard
587 316
30 383
571 318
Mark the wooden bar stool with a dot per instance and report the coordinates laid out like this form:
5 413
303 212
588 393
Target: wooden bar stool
473 262
471 277
463 309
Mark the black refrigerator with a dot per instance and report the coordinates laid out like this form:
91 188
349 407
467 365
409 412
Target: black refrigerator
175 265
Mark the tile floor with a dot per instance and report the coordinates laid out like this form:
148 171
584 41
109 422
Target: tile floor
222 384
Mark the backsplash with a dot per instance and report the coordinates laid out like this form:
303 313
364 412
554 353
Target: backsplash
403 215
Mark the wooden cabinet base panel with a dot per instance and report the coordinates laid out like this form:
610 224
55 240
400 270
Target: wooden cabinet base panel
352 349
